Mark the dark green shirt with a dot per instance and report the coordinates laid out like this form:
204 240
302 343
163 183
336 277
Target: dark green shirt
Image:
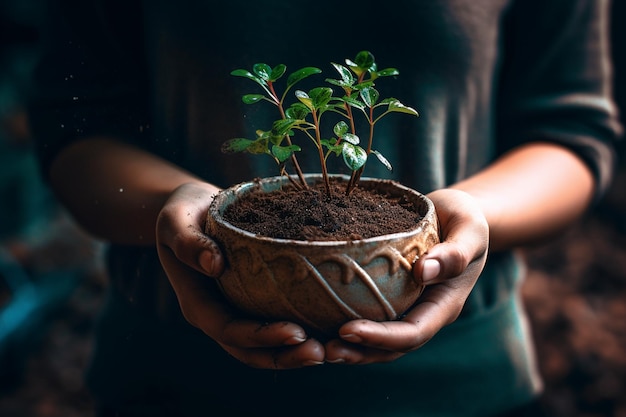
485 75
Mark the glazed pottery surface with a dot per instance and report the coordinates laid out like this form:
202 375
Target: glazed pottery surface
321 284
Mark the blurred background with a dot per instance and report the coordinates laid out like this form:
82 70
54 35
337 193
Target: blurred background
52 282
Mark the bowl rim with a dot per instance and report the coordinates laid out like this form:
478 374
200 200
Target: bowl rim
215 216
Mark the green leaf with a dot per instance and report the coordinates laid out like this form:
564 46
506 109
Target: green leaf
363 85
252 98
341 128
351 138
277 72
353 156
262 134
263 71
236 145
331 145
339 83
339 106
353 102
247 74
282 153
346 75
394 105
369 96
277 139
305 99
297 111
365 60
383 160
301 74
283 126
259 146
387 72
321 96
354 67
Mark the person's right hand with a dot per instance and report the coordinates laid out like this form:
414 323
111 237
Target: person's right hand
189 257
455 265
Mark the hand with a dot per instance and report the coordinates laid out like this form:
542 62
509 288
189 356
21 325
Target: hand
449 270
188 256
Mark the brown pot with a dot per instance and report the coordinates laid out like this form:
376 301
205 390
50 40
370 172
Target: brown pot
322 284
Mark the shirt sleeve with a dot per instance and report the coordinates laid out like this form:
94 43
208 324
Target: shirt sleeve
87 80
556 82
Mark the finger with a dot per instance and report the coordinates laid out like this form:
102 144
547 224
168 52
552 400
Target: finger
374 342
364 342
308 353
391 338
370 342
253 334
442 303
353 351
204 306
199 298
263 345
180 228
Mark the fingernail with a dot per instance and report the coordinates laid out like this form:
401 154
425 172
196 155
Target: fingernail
352 338
294 340
431 269
312 363
338 360
208 263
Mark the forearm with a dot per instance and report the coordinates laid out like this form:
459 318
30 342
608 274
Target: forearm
531 193
115 191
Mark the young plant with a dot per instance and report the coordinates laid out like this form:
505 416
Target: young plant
306 114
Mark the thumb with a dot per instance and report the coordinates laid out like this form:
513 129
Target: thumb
465 238
179 230
211 260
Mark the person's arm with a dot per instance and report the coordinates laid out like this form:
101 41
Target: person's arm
114 190
531 193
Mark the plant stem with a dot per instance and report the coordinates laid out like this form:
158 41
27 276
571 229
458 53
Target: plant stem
352 181
294 160
296 185
356 175
371 137
318 139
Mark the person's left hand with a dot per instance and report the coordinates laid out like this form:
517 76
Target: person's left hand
449 270
191 260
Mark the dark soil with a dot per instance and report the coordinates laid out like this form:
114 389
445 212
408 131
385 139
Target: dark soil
313 215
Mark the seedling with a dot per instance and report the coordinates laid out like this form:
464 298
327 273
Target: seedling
307 112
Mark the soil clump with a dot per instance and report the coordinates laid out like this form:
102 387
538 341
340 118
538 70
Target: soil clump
311 214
